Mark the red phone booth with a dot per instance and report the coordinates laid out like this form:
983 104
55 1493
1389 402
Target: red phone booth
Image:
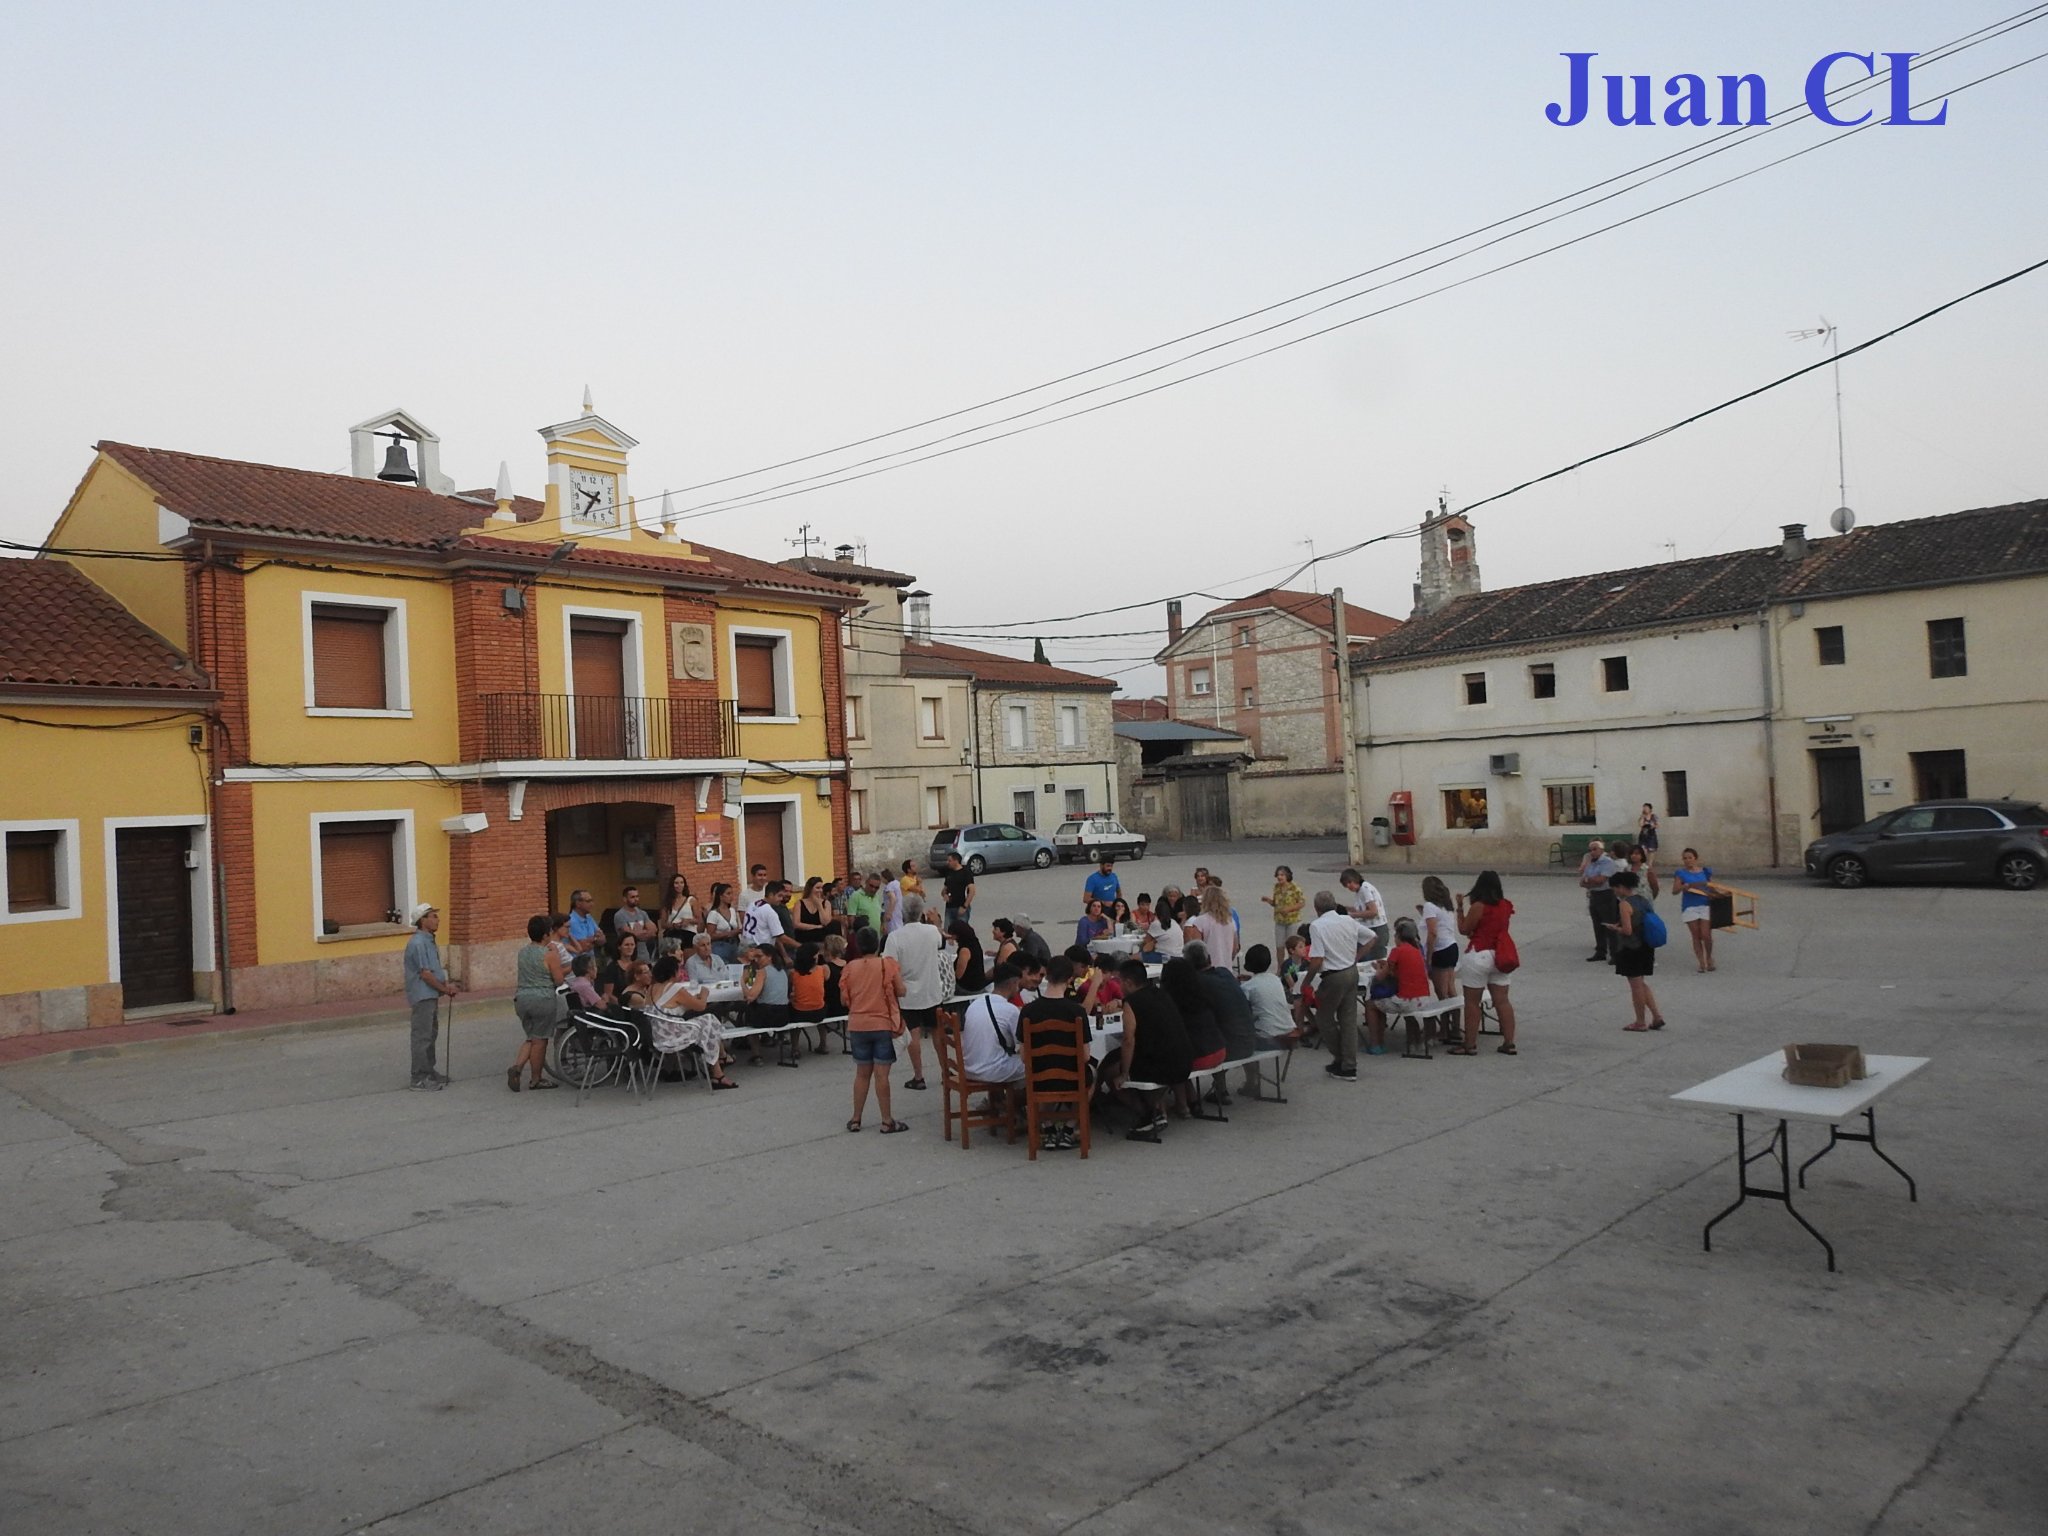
1401 809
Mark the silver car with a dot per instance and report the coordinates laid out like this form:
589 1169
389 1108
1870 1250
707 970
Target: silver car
992 845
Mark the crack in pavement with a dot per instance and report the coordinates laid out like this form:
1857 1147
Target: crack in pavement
152 1187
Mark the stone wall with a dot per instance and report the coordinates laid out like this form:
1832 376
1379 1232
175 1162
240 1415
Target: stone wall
1301 803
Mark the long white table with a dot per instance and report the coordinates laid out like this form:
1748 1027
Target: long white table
1759 1088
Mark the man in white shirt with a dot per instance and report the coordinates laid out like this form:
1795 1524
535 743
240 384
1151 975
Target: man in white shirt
916 948
988 1032
1333 940
1362 901
892 907
761 924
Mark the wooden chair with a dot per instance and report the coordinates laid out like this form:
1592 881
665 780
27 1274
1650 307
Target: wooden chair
957 1089
1056 1072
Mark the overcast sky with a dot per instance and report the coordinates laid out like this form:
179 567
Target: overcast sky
760 231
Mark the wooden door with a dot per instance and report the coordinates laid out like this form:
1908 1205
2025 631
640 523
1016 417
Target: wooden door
1205 807
597 673
763 826
1838 773
154 914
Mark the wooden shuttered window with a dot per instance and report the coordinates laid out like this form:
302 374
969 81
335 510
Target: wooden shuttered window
358 872
754 675
348 657
32 871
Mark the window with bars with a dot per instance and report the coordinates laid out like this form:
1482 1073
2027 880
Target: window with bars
1946 656
1569 805
1829 647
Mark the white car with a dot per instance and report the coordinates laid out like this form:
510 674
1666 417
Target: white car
1095 838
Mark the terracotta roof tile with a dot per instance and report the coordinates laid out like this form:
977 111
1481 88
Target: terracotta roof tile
938 659
58 629
846 570
1310 607
1981 544
237 497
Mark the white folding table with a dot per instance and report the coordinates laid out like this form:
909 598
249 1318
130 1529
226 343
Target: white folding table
1759 1088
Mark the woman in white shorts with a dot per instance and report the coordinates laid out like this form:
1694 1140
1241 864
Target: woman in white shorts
1483 917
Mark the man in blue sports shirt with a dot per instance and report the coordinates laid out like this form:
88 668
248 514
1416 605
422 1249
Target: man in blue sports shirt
1103 886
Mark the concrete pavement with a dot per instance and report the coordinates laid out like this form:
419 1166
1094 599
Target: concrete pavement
262 1288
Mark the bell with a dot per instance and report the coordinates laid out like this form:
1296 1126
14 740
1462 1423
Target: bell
397 466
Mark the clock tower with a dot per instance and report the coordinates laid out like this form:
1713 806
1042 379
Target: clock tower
586 492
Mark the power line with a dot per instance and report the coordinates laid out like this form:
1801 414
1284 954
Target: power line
766 496
1692 152
1751 394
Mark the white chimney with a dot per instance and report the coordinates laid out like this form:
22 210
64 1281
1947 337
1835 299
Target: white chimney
918 609
504 514
1794 547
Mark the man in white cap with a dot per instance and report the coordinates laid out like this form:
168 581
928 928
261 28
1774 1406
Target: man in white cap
426 983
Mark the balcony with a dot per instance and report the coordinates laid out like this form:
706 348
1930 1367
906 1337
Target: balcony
563 726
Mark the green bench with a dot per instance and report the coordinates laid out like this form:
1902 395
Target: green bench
1571 847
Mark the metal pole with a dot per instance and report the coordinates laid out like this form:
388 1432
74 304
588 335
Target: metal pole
1347 736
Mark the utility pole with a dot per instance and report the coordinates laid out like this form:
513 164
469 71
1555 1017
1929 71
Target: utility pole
1347 736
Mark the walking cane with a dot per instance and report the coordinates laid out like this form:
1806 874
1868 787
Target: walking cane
448 1056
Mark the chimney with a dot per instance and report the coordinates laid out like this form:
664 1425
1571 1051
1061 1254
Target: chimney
918 606
1794 547
843 553
1173 624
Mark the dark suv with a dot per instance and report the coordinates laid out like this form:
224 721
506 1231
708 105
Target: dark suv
1953 840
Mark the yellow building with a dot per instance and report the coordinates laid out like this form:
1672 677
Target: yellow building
473 699
103 809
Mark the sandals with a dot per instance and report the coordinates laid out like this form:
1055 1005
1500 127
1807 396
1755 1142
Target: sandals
1506 1048
853 1125
1634 1029
539 1083
917 1083
891 1127
1656 1023
1461 1050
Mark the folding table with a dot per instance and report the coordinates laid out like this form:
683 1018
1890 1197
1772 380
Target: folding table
1759 1088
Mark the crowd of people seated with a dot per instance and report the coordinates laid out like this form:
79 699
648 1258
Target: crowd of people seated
1170 981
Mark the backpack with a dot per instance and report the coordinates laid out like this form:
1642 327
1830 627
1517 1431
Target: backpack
1650 926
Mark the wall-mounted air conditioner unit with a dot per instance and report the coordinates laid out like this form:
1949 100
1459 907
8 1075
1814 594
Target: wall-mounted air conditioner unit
1504 765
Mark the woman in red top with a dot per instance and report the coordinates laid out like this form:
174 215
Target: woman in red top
1408 969
871 986
1483 917
807 978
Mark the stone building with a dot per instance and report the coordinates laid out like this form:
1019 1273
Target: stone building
908 738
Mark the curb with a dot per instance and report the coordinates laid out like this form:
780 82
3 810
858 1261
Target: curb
194 1038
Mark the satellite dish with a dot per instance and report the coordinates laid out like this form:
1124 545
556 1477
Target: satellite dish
1841 519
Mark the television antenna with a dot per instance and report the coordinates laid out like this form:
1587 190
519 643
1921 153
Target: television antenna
1841 519
1313 578
805 539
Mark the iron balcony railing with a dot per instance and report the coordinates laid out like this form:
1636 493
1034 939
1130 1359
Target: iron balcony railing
563 725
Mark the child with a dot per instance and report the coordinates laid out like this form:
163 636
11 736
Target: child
1406 970
807 978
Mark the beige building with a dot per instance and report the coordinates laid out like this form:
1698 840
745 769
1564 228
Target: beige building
1040 744
908 738
1755 699
1908 666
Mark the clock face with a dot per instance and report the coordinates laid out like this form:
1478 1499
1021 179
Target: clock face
593 497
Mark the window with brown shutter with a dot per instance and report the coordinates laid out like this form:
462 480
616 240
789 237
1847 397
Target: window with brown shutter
32 871
754 675
348 657
357 872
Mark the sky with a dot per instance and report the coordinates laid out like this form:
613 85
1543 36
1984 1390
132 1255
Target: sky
756 232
